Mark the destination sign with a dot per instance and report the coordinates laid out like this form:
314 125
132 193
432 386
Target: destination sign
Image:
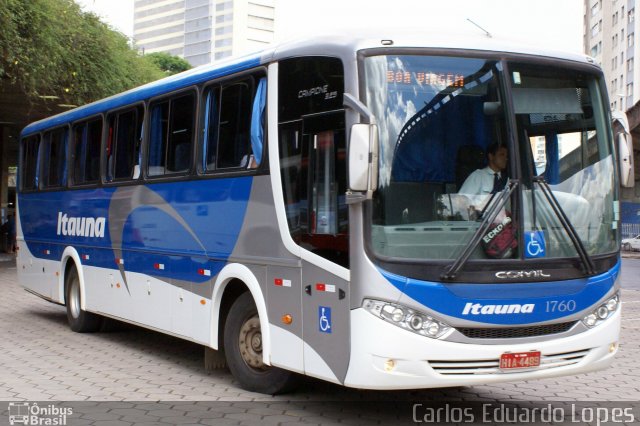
426 77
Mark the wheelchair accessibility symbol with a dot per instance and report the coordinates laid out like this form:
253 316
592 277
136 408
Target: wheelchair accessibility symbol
324 319
535 245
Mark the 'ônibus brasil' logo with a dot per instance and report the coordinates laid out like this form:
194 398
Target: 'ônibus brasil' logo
81 226
480 309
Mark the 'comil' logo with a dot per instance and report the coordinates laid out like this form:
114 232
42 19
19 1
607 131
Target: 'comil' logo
81 226
27 413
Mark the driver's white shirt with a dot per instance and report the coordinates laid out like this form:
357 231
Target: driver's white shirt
480 182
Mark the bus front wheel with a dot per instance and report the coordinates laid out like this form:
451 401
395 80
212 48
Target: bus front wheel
79 320
243 350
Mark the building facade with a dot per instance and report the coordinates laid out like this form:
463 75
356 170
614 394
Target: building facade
611 36
202 31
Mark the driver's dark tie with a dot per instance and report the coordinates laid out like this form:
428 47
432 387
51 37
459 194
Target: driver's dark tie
496 183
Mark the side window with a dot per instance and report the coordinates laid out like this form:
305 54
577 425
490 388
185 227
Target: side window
210 128
313 154
123 144
233 130
235 122
86 152
54 164
30 150
171 135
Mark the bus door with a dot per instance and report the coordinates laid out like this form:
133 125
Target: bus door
325 294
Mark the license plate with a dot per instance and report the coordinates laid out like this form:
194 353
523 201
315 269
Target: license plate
512 361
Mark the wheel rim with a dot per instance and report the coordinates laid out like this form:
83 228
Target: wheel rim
250 343
74 298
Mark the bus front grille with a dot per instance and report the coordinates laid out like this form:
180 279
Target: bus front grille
515 332
492 366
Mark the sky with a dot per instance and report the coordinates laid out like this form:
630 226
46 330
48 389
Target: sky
553 24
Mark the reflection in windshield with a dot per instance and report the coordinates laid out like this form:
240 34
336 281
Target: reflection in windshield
562 129
439 119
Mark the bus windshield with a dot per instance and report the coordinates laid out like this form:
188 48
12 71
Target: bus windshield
447 146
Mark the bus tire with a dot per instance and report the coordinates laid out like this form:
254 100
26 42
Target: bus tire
79 320
243 350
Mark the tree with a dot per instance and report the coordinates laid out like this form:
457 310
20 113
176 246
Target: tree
168 63
52 48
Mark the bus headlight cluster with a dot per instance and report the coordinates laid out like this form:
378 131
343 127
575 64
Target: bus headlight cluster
602 312
407 318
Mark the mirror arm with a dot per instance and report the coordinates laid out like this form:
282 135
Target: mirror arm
352 102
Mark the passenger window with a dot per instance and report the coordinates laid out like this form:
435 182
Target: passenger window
171 135
235 123
123 144
86 152
210 128
233 131
54 170
30 149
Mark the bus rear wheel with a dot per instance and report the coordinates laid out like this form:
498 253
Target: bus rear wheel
79 320
243 350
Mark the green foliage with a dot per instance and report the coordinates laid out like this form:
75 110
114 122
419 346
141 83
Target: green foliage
168 63
52 48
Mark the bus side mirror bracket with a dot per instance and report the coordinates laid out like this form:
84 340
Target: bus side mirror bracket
625 160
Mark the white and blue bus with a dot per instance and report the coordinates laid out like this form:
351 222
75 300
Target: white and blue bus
299 211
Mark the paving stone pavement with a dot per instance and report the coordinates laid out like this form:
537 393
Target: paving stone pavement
134 376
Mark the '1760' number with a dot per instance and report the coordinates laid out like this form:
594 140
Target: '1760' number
561 305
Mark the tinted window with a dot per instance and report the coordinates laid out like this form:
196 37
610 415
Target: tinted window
30 147
123 144
54 158
233 130
235 122
171 135
308 85
210 128
86 152
312 155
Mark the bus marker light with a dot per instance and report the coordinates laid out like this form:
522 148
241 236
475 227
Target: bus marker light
119 261
389 365
282 282
204 272
287 319
203 302
159 266
612 347
118 285
46 252
325 287
85 257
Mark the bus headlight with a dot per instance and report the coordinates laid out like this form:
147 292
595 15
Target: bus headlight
602 312
407 318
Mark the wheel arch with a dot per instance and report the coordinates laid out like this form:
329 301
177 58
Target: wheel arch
234 280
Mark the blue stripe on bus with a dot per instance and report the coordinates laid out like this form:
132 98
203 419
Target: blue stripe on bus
550 300
160 87
153 241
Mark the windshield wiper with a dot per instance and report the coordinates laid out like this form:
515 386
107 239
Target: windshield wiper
488 217
587 262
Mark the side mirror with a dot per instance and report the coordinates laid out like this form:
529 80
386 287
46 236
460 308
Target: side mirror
363 158
625 160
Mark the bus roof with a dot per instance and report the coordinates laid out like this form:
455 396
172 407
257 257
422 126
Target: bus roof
342 45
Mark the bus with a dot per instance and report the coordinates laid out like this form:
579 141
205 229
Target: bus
298 212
